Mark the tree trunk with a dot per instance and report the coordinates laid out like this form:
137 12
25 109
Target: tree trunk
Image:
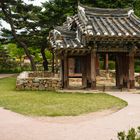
7 14
33 66
45 61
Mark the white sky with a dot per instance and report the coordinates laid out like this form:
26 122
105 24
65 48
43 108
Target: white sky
34 2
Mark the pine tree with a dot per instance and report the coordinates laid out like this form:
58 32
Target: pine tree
21 18
54 13
109 3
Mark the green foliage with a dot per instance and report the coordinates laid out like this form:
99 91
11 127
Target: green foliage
137 7
56 11
101 65
23 21
132 134
114 4
15 51
6 61
109 3
137 65
48 54
11 59
35 22
111 65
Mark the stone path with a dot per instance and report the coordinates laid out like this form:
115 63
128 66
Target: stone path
95 126
6 75
14 126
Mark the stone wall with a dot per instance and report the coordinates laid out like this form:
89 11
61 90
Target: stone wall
38 81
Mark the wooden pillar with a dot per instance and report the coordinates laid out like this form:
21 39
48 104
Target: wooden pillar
66 80
97 64
125 62
56 64
119 71
131 84
53 62
106 63
84 72
62 72
121 63
93 69
88 69
125 71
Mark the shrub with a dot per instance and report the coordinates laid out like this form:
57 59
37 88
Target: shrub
101 65
132 134
137 65
111 65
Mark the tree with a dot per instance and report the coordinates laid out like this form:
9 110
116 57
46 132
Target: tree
6 61
53 15
3 57
109 3
56 11
137 7
15 52
21 18
35 22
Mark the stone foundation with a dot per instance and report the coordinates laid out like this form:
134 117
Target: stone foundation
38 81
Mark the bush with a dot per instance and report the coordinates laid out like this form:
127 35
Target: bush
137 65
137 68
132 134
111 65
101 65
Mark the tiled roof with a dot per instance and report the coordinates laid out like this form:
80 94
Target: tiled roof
97 22
108 22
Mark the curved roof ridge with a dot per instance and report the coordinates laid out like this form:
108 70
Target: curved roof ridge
135 17
120 11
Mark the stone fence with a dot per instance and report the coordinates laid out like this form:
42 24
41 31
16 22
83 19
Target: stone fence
38 81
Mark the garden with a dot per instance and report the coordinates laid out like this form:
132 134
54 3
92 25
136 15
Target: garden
25 48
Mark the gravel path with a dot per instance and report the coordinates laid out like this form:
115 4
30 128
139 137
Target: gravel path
90 127
95 126
6 75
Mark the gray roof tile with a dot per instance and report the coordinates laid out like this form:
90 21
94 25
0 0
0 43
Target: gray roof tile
98 22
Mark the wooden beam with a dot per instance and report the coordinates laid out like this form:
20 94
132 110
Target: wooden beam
131 71
125 71
125 62
121 75
93 69
66 80
88 67
62 72
97 64
106 63
84 72
117 71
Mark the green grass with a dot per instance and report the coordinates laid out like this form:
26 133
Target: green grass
44 103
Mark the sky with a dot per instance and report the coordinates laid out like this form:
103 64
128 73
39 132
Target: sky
34 2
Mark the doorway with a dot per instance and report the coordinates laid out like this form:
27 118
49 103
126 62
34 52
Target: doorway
75 72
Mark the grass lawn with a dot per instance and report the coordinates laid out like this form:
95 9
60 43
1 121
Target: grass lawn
44 103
